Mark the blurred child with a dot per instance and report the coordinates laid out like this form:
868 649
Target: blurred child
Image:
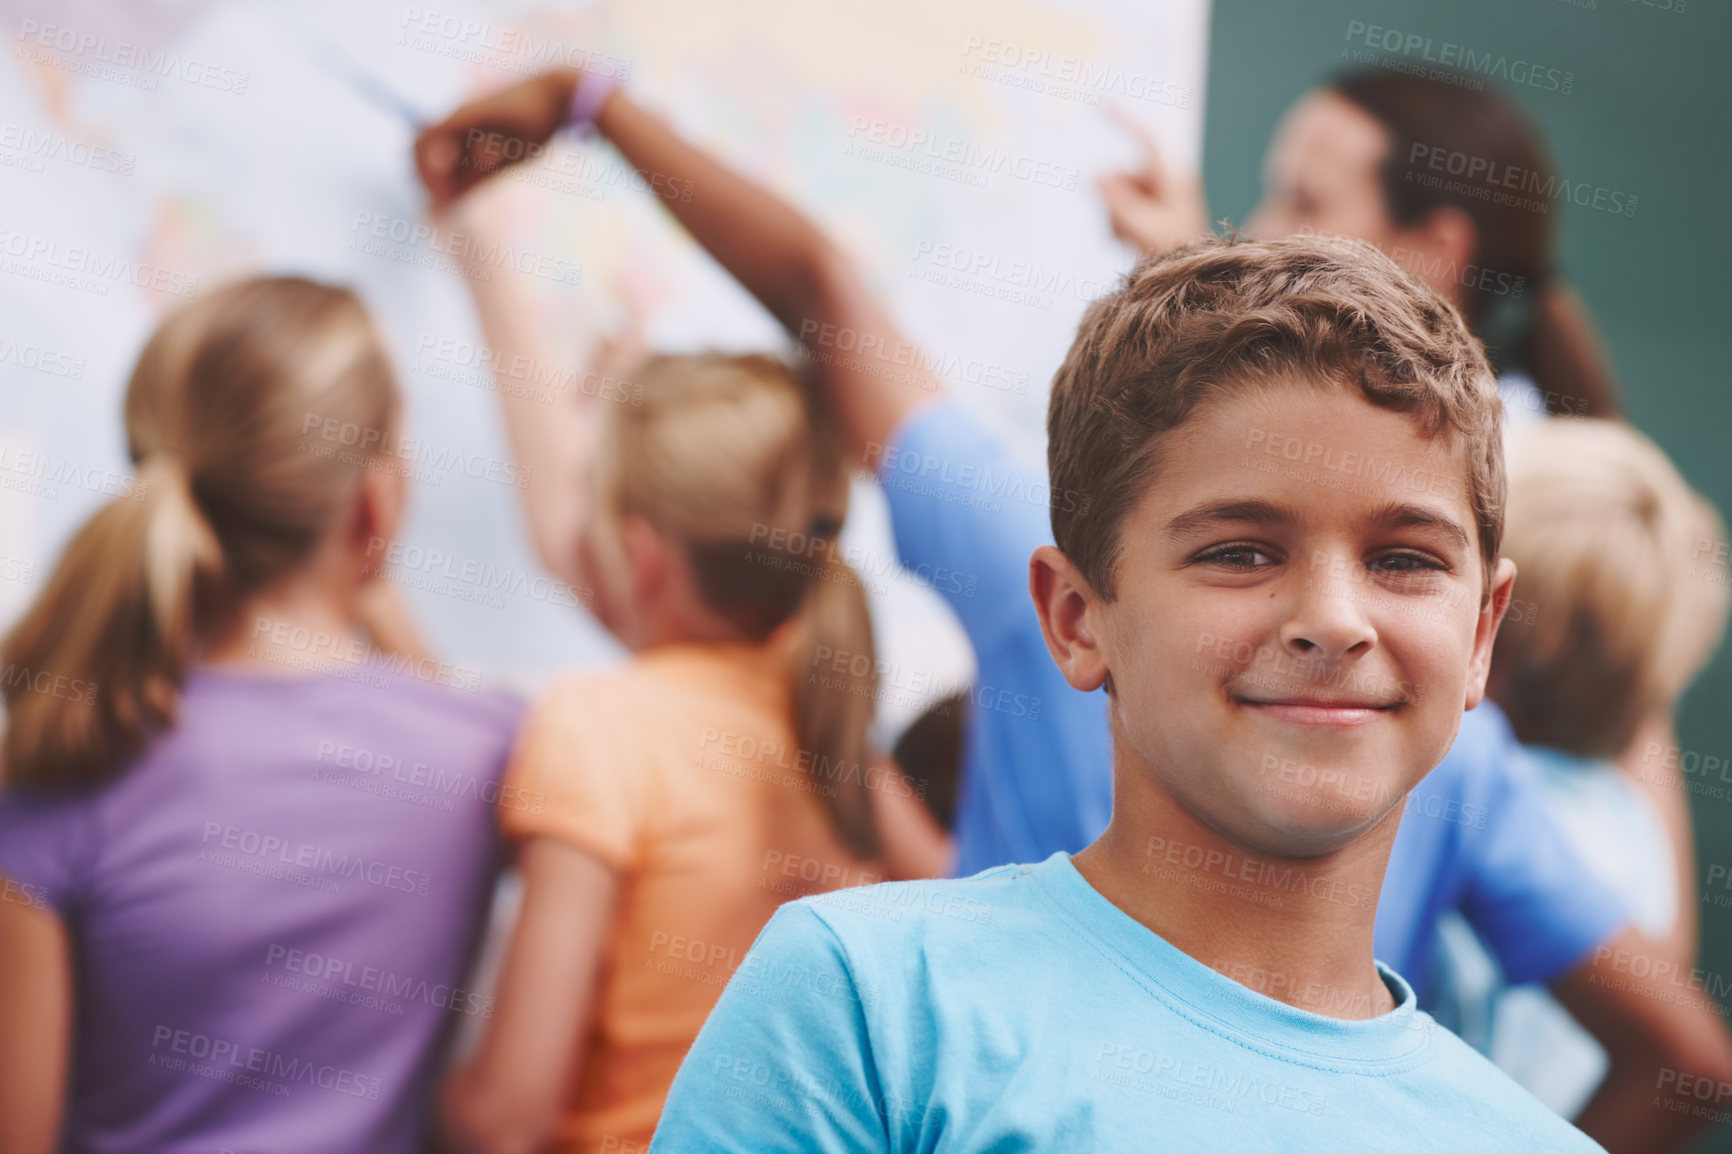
1377 154
245 858
725 769
1620 560
1094 1001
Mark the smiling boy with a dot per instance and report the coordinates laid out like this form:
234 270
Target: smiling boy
1201 977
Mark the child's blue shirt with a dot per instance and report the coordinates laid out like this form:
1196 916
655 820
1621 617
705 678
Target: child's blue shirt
1019 1010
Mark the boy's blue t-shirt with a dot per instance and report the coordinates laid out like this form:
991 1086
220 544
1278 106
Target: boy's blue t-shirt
1037 754
1021 1010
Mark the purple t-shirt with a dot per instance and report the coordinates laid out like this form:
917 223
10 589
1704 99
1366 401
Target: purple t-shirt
272 912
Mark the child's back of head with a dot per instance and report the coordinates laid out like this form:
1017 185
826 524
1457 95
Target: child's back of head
228 500
736 458
1621 564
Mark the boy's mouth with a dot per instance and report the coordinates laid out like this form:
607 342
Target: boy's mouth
1311 710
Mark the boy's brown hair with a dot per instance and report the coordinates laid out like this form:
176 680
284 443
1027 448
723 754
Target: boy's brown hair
1217 317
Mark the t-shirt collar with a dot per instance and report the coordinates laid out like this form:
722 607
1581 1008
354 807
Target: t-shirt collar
1218 1003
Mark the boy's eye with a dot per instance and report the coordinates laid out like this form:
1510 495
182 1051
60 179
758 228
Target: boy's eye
1236 557
1405 563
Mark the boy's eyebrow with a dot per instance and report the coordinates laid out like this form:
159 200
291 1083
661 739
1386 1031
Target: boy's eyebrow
1219 513
1405 515
1395 515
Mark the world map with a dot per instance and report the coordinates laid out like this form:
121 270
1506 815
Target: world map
150 151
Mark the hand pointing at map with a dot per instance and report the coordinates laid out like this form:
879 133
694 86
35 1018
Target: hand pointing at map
1150 205
491 132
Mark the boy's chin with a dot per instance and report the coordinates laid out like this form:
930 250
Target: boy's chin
1307 823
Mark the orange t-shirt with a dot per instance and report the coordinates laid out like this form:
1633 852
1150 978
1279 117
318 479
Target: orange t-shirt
681 772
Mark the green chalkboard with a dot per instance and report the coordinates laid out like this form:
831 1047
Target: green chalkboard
1647 110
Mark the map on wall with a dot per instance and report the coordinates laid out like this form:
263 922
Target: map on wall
148 151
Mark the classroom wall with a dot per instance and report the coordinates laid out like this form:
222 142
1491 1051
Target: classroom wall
1645 114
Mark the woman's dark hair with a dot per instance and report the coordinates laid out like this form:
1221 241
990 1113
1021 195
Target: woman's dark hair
1474 150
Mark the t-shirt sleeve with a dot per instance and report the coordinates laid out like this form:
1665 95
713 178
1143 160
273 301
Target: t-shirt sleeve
966 513
45 849
1539 909
581 772
784 1062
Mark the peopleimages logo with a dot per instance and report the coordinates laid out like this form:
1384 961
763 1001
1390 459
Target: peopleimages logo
977 266
448 458
936 153
87 269
15 679
228 845
1456 58
510 49
41 359
1507 184
121 60
966 482
225 1056
36 146
360 979
1066 77
471 255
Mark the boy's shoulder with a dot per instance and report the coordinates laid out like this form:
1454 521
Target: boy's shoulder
893 931
896 914
902 952
1470 1089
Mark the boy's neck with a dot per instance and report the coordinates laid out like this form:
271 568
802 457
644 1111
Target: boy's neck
1298 930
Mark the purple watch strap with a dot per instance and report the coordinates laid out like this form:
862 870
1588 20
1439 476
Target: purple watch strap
587 97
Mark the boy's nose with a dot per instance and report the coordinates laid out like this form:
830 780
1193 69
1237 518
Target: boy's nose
1327 619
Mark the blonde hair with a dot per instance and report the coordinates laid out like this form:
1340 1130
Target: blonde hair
1623 565
229 496
736 457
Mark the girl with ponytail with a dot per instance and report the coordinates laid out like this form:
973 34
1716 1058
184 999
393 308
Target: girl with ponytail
202 854
724 769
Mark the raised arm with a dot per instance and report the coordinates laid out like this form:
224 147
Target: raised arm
1152 206
547 377
870 370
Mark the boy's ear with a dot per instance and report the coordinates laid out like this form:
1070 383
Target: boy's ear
1062 600
1485 629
